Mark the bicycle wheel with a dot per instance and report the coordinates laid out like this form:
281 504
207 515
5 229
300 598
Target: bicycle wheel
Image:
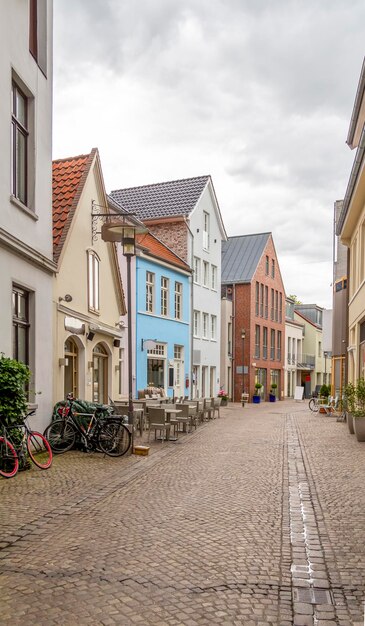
313 405
39 450
114 438
61 436
9 463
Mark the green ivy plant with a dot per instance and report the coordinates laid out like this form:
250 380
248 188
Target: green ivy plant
14 377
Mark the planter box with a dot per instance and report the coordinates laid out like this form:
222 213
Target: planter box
272 397
350 423
224 402
359 428
256 399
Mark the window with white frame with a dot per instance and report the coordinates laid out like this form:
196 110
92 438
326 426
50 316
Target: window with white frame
164 296
205 325
272 344
38 32
150 288
206 230
278 346
257 341
158 350
205 274
213 327
213 277
93 280
196 270
19 144
196 323
21 325
264 342
178 301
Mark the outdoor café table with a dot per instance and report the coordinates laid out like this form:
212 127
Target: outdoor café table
171 413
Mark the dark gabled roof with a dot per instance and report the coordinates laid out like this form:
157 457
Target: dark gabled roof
176 198
240 257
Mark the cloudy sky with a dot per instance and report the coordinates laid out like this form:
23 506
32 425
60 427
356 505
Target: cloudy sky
256 93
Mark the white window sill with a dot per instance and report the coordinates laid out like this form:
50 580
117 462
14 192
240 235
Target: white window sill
23 208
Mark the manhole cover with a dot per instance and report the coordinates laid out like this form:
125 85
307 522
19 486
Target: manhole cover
312 596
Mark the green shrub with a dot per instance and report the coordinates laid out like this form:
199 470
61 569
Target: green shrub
14 377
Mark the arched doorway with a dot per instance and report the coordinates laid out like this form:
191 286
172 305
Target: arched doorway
71 368
100 374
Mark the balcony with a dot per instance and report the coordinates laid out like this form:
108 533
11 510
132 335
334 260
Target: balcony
306 362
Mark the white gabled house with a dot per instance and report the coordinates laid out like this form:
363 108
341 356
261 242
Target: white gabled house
26 264
88 297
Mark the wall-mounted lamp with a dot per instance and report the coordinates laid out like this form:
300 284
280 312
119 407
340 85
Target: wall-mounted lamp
67 298
90 335
62 362
90 365
116 343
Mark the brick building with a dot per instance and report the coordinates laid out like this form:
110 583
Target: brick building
252 281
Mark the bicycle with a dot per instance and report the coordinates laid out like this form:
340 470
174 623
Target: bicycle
314 405
107 434
18 439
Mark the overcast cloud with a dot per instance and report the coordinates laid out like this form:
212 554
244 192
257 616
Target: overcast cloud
257 93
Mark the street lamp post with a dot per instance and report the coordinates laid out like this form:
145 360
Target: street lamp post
325 366
243 336
126 235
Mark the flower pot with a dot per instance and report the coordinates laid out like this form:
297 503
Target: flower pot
224 402
350 423
272 397
359 428
256 399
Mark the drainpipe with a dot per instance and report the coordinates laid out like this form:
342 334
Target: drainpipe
191 309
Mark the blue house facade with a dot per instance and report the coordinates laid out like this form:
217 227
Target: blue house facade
163 318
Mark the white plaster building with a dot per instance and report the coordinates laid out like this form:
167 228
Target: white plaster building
26 265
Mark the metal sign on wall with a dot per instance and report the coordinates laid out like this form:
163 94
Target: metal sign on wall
73 325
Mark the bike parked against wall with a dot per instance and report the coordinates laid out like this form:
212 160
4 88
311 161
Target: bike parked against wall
99 430
18 443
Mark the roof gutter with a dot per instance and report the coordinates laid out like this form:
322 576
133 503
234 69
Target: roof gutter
357 105
359 158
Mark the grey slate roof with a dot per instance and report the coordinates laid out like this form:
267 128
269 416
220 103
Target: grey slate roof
240 257
176 198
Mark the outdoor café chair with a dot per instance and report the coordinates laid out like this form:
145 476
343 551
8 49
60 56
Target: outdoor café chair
158 421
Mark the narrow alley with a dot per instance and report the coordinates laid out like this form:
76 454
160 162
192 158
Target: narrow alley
256 518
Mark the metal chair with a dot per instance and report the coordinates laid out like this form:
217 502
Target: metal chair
216 406
158 421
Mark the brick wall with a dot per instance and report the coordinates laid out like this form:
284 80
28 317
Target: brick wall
174 235
245 318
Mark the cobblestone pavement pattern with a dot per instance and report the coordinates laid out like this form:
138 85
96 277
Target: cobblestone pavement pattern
257 518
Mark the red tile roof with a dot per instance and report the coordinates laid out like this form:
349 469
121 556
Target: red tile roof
68 179
156 248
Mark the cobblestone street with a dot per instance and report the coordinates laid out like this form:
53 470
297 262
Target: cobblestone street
256 518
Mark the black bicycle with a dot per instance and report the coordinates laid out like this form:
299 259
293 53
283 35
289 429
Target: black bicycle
18 443
96 431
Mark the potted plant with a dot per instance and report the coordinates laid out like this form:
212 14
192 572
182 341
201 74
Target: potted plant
272 394
224 397
256 398
359 412
350 395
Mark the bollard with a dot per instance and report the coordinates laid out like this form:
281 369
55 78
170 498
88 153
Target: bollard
244 398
